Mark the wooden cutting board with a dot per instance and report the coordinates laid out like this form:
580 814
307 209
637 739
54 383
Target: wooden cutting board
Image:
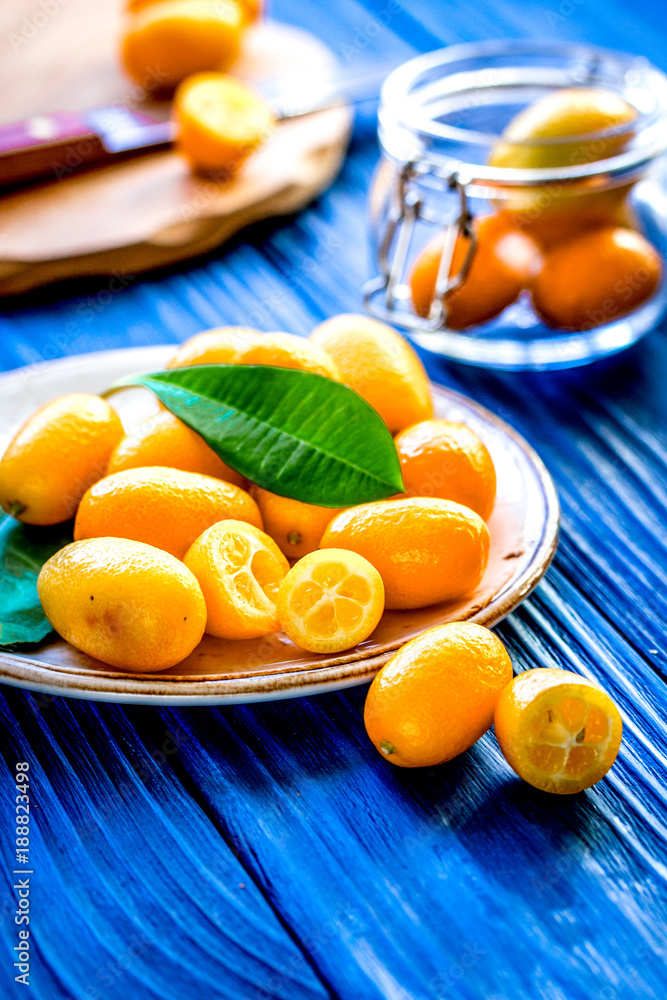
148 211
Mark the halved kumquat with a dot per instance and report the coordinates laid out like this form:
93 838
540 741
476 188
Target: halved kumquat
558 731
220 121
330 601
239 569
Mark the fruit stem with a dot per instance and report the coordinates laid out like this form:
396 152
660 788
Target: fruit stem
387 747
294 538
16 508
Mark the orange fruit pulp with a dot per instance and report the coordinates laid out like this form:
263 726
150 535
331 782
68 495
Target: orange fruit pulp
330 601
558 731
239 569
220 121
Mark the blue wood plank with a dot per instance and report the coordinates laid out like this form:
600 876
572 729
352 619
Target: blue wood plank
134 893
362 880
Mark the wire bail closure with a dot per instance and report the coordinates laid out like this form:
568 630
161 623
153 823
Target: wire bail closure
394 247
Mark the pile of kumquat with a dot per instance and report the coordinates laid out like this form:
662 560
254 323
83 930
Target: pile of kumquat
171 542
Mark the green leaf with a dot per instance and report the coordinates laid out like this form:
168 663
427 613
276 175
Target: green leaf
23 551
293 432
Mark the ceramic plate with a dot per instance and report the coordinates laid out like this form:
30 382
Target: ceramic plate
523 526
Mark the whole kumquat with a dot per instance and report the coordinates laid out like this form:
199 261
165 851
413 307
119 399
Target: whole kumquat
169 40
125 603
221 346
426 550
380 365
596 278
165 440
436 696
503 262
592 124
285 350
441 458
163 507
55 456
296 527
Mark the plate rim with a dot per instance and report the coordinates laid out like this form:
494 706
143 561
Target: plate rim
24 672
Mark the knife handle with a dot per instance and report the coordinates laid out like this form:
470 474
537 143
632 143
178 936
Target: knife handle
52 145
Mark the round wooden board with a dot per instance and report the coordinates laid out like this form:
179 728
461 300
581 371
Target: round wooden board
523 527
148 211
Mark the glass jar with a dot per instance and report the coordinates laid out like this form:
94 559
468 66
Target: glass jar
441 121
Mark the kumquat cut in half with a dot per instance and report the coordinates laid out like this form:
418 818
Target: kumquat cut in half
557 730
220 121
330 601
239 569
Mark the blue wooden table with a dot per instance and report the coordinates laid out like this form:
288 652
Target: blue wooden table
267 851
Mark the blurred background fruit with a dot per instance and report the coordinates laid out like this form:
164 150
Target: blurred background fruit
251 10
220 121
566 128
166 41
504 260
595 278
